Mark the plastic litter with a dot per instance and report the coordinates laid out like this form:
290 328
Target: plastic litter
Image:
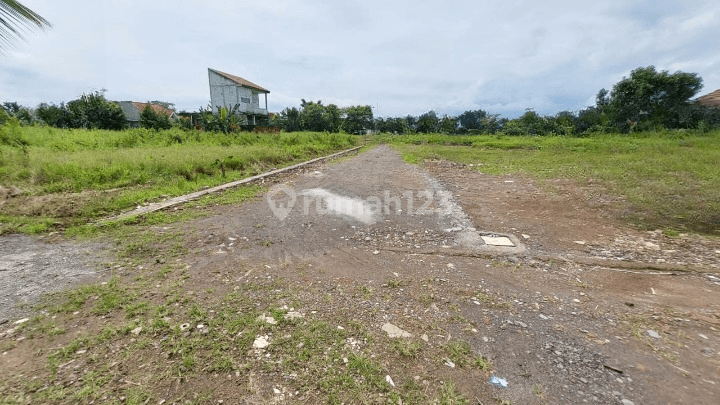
499 382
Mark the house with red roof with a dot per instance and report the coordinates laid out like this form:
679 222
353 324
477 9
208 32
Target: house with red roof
133 109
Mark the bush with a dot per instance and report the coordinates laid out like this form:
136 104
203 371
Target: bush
152 120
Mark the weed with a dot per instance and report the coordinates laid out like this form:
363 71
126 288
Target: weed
407 348
393 283
482 363
449 395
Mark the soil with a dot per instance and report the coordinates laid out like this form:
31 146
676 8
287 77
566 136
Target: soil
31 267
582 309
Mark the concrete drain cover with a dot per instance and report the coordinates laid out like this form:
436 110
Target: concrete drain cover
497 241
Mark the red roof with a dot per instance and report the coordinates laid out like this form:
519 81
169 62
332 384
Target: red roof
157 108
710 100
239 80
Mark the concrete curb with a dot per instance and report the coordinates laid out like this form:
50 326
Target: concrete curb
192 196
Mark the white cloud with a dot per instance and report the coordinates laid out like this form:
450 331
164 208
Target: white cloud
405 56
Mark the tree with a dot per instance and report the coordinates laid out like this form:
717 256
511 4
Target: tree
448 124
13 18
428 122
358 119
53 115
288 120
650 97
472 119
153 120
94 111
13 109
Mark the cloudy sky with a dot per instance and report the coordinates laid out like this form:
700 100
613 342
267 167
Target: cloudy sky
402 57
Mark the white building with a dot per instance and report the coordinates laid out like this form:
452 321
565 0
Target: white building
228 90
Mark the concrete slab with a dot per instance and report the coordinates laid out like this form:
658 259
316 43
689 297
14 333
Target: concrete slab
497 241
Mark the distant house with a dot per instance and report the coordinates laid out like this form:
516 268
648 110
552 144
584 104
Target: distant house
133 109
710 100
228 90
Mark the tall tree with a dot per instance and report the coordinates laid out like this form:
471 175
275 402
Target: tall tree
14 17
651 97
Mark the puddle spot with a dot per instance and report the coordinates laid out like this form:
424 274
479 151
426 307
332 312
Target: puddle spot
345 206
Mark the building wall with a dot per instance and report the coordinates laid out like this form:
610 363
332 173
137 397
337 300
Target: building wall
225 93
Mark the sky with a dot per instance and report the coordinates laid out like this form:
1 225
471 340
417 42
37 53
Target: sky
401 57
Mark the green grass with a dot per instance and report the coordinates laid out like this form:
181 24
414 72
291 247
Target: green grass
70 177
671 180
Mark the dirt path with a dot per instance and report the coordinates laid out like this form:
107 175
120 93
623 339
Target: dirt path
565 313
568 327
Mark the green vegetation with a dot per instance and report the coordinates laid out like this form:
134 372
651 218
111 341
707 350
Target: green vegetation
314 116
669 179
65 177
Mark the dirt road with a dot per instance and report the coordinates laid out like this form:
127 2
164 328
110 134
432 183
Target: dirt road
569 326
569 305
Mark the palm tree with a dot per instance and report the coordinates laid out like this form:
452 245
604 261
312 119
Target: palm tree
13 18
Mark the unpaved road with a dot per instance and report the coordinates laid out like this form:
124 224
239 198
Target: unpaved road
582 309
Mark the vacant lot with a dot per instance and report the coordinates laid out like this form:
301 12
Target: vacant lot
222 300
63 178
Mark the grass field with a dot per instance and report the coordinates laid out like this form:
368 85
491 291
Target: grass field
671 180
69 177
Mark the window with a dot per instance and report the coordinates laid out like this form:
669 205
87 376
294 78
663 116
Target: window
245 100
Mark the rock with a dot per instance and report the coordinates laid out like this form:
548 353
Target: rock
4 321
525 236
267 319
544 317
652 334
450 266
20 321
389 380
706 351
425 337
293 315
522 324
513 259
449 363
703 336
395 332
580 242
627 402
261 342
136 331
377 252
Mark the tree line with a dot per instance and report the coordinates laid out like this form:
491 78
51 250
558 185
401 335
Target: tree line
646 100
314 116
